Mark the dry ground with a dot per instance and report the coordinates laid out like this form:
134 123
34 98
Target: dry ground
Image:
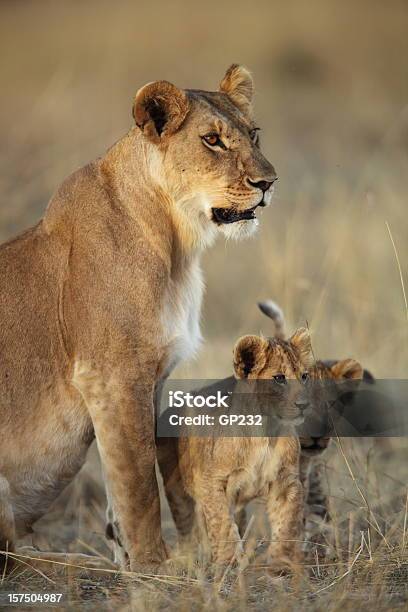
333 104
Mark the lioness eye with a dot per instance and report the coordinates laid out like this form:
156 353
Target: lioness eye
305 376
213 140
280 379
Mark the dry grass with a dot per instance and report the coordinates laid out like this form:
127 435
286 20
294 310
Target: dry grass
333 103
367 564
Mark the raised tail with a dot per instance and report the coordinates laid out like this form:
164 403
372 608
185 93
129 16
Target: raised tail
274 312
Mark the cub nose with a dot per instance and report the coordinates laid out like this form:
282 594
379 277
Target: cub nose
302 404
262 185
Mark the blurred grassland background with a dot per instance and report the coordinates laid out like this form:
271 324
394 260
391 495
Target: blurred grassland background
332 100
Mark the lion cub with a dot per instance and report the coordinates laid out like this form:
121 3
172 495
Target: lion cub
223 474
322 373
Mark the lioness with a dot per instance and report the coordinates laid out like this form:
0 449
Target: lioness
223 474
101 299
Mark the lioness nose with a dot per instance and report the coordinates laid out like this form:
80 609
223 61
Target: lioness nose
262 185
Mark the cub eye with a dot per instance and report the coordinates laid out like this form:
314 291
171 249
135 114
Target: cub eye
280 379
213 140
254 136
305 376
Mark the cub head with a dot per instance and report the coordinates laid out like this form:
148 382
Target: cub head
321 374
285 364
203 151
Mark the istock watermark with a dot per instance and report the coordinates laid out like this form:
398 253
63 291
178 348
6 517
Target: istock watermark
231 407
180 399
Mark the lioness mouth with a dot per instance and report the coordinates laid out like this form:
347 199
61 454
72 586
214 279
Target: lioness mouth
230 215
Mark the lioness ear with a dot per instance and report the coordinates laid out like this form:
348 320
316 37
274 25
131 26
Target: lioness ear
239 87
250 353
347 368
303 345
159 109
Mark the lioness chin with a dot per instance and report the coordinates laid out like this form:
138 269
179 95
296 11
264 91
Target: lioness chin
101 299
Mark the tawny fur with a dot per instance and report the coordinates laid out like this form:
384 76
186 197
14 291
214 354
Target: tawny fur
316 506
223 474
234 454
101 299
317 511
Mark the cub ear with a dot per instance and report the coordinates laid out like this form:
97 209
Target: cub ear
368 377
250 354
302 343
239 87
159 109
348 369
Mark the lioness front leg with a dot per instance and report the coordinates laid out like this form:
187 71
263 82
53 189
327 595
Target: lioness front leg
7 527
285 513
122 416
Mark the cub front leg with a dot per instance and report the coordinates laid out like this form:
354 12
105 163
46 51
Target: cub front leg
316 517
241 521
122 416
221 529
285 513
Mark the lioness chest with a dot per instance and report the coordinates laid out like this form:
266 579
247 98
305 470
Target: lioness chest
180 316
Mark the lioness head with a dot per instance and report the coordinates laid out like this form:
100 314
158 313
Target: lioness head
204 153
285 364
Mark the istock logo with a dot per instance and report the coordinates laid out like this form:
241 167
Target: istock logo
179 399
